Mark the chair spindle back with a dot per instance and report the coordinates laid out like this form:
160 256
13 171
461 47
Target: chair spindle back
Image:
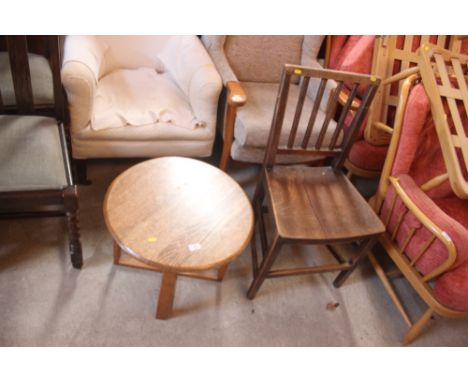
340 140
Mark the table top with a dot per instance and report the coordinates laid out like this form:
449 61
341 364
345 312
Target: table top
178 214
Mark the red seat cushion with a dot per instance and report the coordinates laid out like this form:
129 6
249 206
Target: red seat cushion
366 156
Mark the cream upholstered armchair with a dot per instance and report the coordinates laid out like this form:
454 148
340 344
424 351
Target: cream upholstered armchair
140 96
250 67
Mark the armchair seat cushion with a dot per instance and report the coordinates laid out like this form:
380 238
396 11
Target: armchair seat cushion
366 156
137 97
41 80
30 154
158 131
253 121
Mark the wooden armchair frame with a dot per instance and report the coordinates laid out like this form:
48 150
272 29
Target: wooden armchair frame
235 98
445 76
388 60
407 267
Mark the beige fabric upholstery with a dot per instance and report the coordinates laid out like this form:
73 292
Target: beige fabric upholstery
182 59
261 58
30 154
256 62
253 121
138 97
41 78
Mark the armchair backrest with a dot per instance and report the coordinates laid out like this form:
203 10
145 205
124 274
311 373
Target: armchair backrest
393 54
445 76
132 52
261 58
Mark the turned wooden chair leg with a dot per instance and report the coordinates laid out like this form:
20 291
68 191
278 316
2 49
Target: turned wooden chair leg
70 195
417 327
265 267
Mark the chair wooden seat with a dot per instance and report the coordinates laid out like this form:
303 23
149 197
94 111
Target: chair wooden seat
318 204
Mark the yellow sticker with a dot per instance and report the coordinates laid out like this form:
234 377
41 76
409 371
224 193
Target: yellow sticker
297 71
373 78
152 239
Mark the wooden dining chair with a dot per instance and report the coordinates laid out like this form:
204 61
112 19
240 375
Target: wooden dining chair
35 170
313 205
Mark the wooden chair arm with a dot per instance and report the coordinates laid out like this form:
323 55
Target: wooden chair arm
235 93
343 98
438 233
235 97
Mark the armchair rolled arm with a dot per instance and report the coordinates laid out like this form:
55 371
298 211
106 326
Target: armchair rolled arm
204 90
82 63
215 47
195 74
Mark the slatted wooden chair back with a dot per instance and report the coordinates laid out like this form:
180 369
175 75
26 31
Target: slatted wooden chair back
445 76
394 54
18 52
323 142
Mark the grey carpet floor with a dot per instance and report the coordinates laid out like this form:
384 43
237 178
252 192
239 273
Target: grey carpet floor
45 302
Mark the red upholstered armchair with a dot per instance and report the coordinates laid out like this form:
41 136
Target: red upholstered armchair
355 54
383 56
426 222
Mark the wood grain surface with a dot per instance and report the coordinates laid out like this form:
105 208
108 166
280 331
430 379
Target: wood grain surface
319 204
178 214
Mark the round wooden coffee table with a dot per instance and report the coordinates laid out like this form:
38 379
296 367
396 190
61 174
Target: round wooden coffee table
177 216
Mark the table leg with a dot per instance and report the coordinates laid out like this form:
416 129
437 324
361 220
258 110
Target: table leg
166 295
222 271
117 252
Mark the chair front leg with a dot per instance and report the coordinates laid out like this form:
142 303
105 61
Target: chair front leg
418 326
265 267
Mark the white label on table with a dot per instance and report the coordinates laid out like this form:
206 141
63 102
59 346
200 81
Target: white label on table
194 247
